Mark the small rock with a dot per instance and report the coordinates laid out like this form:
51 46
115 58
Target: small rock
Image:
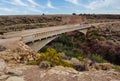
4 77
3 65
87 64
75 61
45 64
14 72
14 78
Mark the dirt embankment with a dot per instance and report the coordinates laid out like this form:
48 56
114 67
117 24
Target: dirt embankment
105 40
17 23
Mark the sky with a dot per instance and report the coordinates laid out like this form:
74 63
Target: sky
36 7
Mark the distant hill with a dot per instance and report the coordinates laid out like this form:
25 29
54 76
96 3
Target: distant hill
101 16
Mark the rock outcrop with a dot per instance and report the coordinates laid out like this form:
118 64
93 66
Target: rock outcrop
58 73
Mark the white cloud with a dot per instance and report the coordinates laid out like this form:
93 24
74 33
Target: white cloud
6 9
97 4
118 8
73 1
49 5
34 3
17 2
34 10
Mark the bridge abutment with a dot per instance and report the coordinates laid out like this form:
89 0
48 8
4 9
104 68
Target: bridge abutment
36 46
84 31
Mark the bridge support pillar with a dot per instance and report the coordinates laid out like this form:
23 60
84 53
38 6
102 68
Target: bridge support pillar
36 46
84 31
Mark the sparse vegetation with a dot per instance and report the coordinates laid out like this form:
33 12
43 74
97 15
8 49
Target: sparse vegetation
53 57
98 58
18 23
117 67
75 45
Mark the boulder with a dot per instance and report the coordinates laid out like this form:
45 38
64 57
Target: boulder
87 64
81 65
75 61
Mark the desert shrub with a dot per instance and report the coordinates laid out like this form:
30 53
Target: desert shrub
73 54
65 40
40 25
58 46
94 37
117 67
2 48
81 38
94 34
80 58
32 63
53 57
74 14
97 58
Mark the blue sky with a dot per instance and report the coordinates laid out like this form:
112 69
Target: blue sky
21 7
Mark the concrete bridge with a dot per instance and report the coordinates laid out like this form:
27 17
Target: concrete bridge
38 38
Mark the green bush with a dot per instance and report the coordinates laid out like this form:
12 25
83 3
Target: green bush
81 38
66 40
97 58
73 55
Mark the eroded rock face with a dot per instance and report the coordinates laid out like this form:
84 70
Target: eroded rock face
21 54
57 73
12 72
60 73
